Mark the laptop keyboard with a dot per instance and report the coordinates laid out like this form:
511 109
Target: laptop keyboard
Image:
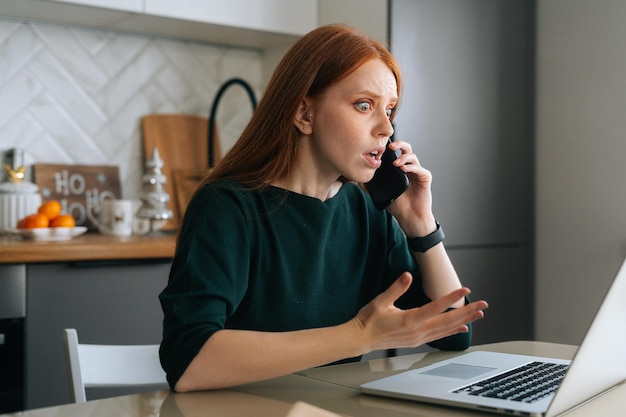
528 383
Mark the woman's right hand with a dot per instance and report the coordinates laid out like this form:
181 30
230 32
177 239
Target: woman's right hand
382 325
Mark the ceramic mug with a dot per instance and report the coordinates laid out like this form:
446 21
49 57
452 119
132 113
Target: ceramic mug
115 217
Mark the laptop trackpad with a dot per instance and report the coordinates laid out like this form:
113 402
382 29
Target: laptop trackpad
458 371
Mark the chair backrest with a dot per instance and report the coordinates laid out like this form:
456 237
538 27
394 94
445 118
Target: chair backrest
110 366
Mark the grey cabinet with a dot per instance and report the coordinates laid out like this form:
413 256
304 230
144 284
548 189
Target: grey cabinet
467 109
500 276
113 302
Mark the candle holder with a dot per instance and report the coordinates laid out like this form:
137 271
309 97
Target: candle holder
18 197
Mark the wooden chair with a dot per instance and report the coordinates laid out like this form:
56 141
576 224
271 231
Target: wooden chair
98 366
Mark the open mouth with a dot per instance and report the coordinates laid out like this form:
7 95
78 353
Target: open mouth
376 155
373 157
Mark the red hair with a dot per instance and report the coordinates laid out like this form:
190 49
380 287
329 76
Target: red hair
266 149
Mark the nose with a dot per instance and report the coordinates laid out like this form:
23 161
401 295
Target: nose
385 127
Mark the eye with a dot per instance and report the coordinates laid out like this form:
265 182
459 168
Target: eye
389 113
363 105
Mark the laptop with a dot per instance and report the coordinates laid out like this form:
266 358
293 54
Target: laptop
499 382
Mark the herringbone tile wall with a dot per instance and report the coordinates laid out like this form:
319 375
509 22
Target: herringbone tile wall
76 96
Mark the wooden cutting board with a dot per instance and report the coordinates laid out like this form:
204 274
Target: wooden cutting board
183 146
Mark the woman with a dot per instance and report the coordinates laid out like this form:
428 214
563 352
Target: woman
283 263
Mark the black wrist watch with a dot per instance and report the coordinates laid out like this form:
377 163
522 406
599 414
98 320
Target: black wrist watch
422 244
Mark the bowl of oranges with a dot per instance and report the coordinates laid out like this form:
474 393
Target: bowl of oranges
49 223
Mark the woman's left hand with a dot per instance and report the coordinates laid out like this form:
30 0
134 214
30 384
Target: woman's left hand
413 209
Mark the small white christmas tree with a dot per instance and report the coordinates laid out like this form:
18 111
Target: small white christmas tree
154 199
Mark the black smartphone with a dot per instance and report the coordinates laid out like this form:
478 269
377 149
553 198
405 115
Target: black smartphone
388 183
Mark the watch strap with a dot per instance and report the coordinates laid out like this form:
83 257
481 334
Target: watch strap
422 244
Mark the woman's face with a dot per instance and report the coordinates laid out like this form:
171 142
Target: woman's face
351 122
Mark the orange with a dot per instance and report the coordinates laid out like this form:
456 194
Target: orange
20 223
34 221
63 220
50 209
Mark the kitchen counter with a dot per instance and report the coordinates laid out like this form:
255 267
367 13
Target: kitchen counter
91 246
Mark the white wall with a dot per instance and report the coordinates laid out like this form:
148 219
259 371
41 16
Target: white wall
75 96
371 16
368 15
580 161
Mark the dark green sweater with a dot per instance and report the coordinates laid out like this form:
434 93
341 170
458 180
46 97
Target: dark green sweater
273 260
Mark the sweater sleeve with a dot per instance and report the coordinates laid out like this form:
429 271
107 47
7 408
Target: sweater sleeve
207 279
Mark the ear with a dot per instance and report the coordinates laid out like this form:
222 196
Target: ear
304 118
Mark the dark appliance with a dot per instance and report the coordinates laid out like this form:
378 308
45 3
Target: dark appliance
12 331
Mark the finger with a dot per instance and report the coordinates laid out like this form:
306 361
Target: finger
478 311
407 159
452 322
468 313
442 304
444 325
395 290
422 174
434 311
405 147
462 316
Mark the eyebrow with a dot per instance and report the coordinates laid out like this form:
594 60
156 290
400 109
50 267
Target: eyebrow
377 96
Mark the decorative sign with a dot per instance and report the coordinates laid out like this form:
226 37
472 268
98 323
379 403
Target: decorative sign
79 188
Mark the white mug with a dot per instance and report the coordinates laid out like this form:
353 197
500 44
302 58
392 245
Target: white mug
115 217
